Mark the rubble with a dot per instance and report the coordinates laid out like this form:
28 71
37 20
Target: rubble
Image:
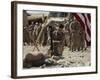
68 59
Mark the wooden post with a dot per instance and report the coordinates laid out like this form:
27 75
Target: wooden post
43 26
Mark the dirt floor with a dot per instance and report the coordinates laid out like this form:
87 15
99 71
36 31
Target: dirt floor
69 59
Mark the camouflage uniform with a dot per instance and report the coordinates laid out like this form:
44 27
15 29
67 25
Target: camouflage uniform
58 42
76 35
30 31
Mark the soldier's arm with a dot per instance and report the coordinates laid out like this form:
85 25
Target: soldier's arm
54 35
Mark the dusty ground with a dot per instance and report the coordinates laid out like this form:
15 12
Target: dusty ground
70 59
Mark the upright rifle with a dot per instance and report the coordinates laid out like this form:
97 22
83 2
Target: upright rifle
51 47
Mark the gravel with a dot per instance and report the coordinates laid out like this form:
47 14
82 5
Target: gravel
70 59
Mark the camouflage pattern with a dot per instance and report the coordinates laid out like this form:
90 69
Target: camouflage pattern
58 42
77 36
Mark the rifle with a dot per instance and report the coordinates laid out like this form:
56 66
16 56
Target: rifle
51 47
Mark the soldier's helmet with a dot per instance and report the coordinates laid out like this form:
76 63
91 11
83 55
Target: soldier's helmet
61 26
36 23
32 22
65 20
71 17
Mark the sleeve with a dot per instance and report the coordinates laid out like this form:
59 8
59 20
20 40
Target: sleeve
54 35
